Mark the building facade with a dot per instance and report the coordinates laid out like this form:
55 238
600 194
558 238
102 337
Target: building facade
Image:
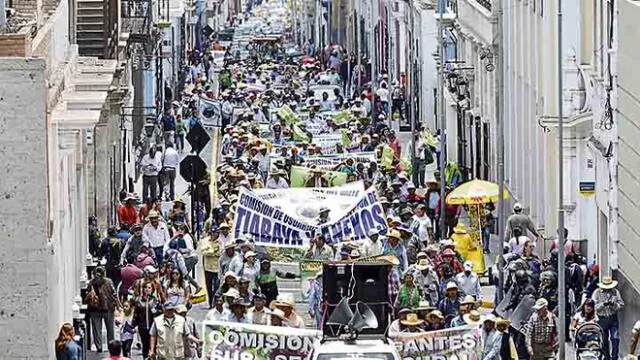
51 101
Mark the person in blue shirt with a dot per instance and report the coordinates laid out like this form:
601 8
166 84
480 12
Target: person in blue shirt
315 299
66 346
393 246
450 305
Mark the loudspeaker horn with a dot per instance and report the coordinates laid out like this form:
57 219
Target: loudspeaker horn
342 314
364 318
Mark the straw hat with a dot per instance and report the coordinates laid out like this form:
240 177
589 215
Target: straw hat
424 305
153 214
232 293
451 285
277 313
460 229
392 260
412 320
540 303
468 299
285 301
436 313
394 234
473 318
423 264
607 283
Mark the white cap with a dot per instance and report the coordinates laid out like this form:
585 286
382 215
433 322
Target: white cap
249 253
517 206
451 285
468 265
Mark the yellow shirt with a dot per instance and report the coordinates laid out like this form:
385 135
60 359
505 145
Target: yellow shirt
211 251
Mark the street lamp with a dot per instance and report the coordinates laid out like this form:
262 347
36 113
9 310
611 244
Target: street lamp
452 79
462 86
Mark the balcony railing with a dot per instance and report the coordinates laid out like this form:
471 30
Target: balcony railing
485 4
136 17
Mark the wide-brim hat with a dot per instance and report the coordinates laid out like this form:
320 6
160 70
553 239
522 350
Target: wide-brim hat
451 285
412 320
436 313
468 299
460 229
277 313
473 318
422 264
540 303
391 259
285 301
153 215
424 306
607 283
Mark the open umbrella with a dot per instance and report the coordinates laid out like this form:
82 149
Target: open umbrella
475 192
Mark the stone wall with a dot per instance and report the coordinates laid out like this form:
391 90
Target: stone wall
24 313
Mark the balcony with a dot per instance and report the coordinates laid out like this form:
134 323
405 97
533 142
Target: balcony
136 18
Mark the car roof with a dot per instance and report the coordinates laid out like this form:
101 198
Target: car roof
357 346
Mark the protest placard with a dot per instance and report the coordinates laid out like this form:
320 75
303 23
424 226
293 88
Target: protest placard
306 177
225 341
328 142
463 342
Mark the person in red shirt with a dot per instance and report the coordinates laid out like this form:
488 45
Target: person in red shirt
127 212
412 196
394 144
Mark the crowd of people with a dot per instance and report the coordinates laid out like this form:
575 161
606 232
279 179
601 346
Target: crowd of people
435 274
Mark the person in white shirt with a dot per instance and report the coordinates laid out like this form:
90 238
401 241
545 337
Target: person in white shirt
383 94
156 234
275 180
170 163
218 313
422 225
468 281
372 246
516 243
151 164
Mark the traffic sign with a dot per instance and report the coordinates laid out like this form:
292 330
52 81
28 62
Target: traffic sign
193 168
198 138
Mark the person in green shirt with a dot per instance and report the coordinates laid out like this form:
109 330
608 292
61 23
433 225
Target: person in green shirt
409 296
181 129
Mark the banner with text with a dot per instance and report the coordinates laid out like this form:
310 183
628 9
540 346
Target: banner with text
328 142
225 340
449 344
270 226
305 203
306 177
331 161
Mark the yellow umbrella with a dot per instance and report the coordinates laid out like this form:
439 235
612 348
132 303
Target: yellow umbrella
475 192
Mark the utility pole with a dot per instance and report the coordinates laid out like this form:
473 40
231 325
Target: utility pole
443 120
498 50
562 291
389 56
374 21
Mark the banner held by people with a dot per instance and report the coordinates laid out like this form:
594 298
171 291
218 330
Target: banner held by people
306 177
210 112
448 344
269 226
226 340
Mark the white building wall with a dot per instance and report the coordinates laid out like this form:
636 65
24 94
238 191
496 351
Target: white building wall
627 242
26 265
427 27
529 94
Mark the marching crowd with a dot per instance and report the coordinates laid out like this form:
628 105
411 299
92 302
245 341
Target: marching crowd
434 282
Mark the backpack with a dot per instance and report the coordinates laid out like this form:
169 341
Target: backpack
92 300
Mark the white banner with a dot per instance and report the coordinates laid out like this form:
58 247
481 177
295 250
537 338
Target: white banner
270 226
304 203
328 142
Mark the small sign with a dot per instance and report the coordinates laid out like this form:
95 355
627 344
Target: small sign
587 188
